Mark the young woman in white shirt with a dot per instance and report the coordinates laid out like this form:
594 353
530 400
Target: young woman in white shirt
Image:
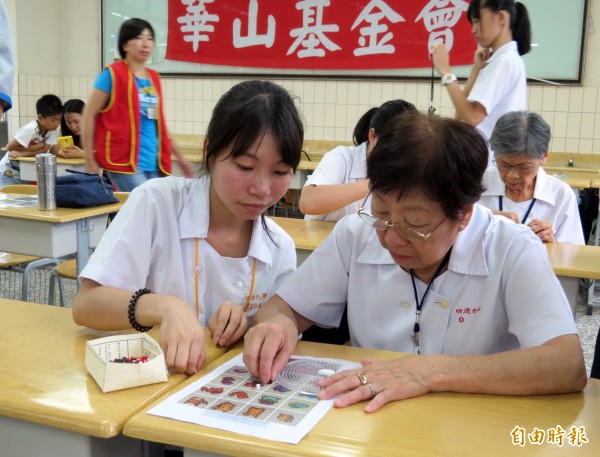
339 184
497 83
185 253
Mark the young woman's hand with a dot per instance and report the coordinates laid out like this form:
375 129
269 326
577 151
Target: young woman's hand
228 324
441 59
182 338
72 153
482 55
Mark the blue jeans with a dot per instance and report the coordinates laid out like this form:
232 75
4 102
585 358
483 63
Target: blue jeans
126 182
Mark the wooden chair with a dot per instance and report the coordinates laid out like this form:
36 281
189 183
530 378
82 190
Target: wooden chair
68 268
29 189
288 203
18 263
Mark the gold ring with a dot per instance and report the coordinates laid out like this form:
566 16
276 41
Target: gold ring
373 391
363 379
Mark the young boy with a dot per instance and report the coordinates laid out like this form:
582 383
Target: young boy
39 135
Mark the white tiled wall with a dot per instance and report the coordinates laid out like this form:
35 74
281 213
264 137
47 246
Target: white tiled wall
331 108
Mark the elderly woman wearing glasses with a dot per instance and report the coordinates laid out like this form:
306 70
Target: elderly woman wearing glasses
520 189
429 273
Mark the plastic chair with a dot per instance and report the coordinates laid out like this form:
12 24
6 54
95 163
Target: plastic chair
288 203
67 269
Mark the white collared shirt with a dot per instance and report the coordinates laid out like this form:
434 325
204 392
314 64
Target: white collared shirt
152 243
555 202
499 292
341 165
501 86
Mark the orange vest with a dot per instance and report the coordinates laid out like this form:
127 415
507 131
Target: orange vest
117 127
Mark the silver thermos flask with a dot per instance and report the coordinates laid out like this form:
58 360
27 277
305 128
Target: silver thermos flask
46 179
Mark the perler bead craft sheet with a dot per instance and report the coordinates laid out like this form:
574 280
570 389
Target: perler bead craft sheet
229 398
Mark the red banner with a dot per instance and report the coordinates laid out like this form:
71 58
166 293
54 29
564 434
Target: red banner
318 34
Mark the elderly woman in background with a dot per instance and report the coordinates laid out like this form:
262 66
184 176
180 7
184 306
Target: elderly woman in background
520 189
427 271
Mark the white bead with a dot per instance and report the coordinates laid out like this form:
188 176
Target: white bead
326 372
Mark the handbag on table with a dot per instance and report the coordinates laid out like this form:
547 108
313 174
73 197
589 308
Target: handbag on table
83 190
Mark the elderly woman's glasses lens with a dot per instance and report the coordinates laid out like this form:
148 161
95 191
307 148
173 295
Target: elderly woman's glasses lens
521 169
406 232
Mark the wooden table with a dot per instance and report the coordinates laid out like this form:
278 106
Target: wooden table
57 233
577 182
442 424
580 172
49 404
307 235
28 167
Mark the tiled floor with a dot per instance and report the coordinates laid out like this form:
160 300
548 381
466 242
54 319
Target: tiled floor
587 325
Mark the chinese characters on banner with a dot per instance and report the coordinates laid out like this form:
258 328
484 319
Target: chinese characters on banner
318 34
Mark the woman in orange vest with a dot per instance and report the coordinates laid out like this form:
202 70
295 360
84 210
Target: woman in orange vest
124 128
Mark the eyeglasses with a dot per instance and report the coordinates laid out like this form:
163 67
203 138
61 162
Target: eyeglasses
407 232
520 169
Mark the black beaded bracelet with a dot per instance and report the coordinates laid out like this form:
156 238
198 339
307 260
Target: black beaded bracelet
131 309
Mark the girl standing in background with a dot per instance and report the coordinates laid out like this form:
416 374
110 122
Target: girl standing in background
497 83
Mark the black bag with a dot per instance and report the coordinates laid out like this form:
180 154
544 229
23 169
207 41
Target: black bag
83 190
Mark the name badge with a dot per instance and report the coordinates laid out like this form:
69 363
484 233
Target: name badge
151 112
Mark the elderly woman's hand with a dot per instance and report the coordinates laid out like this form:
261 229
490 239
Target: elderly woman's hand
543 229
379 382
268 346
508 214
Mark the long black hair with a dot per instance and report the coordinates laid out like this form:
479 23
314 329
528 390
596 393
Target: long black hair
520 26
248 111
244 114
73 105
376 118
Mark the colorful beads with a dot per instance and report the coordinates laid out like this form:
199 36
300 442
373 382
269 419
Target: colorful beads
141 359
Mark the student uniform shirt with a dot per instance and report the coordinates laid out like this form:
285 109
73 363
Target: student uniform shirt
30 133
341 165
555 202
152 243
499 292
501 86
